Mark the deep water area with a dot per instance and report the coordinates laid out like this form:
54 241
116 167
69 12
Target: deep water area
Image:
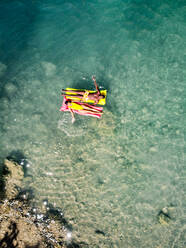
115 177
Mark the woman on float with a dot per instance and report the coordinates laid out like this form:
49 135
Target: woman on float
80 108
86 95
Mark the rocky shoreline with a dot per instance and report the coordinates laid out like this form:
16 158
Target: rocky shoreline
24 226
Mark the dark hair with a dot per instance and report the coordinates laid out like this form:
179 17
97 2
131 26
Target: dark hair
66 102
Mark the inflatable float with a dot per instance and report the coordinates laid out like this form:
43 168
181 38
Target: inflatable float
85 98
65 108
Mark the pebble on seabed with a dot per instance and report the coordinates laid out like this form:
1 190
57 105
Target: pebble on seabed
163 216
39 216
24 196
34 210
68 236
24 162
45 202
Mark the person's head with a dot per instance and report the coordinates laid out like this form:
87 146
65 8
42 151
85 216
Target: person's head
67 101
101 97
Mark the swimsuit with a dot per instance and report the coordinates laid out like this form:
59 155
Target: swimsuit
75 106
85 96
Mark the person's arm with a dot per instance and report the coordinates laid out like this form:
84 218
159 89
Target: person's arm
72 113
95 101
97 88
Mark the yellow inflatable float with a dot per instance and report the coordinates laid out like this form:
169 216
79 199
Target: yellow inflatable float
72 94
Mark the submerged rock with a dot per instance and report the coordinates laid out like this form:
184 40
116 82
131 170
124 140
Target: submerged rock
10 89
49 68
164 216
4 102
13 178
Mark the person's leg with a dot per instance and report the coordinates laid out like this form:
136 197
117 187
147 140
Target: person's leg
91 109
72 113
89 112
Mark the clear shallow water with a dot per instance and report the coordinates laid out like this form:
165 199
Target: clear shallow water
115 174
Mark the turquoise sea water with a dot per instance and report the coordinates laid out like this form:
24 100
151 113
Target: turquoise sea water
111 177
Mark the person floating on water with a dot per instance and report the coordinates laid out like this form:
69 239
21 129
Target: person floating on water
81 108
85 95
